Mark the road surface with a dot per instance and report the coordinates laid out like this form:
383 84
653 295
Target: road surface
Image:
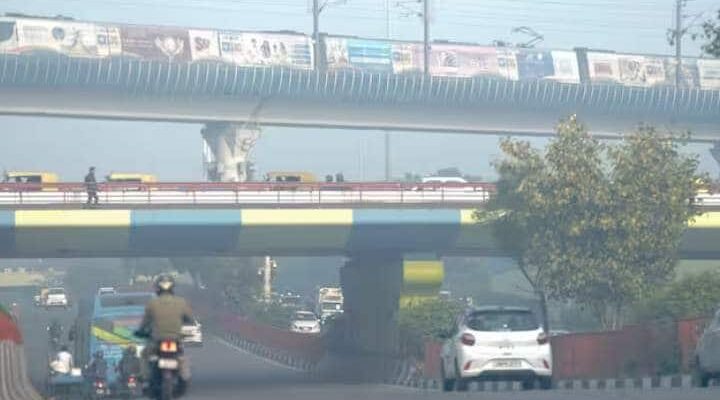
223 372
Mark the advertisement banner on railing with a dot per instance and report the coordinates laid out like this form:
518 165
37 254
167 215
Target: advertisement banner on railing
690 75
155 43
566 66
375 55
603 67
8 36
709 71
461 61
404 58
560 66
641 70
266 49
73 39
204 45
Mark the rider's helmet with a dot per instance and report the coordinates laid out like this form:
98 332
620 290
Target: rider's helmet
131 349
164 284
99 354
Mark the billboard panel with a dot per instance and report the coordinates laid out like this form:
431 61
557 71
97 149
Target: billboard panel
266 49
74 39
468 61
689 78
155 43
204 45
375 55
565 65
709 72
8 38
603 67
535 64
405 58
641 71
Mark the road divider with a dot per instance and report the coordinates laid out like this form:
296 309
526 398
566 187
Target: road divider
14 381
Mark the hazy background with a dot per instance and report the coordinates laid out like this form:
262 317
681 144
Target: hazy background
173 151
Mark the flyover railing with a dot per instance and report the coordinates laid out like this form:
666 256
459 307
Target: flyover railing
251 193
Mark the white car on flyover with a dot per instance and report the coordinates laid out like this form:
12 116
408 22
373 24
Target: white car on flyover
304 322
497 343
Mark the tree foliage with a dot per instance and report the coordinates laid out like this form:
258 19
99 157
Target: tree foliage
711 35
427 319
594 223
694 295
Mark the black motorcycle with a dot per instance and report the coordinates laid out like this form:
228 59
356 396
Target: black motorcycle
165 382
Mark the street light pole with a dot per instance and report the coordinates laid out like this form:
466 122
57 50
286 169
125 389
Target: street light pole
426 37
678 41
316 32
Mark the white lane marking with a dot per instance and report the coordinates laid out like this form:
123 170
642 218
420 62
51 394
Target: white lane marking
267 360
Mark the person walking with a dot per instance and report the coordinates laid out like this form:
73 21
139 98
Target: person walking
91 187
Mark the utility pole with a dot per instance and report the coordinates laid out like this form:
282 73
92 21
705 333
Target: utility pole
316 32
267 278
426 38
678 41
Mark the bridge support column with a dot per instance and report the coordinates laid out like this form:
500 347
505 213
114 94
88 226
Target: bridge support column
715 151
226 150
376 287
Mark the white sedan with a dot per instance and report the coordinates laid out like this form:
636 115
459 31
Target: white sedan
497 343
304 322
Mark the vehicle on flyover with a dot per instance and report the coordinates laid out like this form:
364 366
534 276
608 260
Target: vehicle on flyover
32 180
496 343
707 353
131 181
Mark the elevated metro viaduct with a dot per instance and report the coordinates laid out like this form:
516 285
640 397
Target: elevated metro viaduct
392 252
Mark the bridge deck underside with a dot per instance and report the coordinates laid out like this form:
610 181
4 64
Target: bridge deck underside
257 232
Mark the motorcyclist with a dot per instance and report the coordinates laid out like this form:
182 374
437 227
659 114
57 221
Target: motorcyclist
129 363
97 370
63 362
55 331
163 319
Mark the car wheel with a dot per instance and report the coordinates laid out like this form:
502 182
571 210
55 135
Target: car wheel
461 384
527 384
546 383
447 384
701 378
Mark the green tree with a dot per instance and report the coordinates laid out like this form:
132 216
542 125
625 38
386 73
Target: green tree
694 295
423 320
711 36
596 224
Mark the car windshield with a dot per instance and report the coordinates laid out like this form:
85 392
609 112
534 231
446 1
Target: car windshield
56 291
331 306
305 316
502 320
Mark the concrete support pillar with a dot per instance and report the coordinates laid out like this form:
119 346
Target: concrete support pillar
375 288
715 151
226 150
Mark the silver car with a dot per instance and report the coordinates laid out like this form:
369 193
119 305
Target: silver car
707 353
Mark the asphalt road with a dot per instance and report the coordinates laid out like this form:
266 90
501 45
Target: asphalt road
223 372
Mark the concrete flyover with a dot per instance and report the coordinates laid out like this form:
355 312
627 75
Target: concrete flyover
281 230
201 92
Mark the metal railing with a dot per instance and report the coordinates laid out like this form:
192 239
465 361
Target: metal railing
238 194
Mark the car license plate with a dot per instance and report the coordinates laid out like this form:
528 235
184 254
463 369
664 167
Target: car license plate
167 363
508 364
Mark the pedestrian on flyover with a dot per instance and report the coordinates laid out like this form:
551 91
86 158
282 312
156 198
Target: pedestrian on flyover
91 187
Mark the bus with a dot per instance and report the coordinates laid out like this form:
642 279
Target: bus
115 317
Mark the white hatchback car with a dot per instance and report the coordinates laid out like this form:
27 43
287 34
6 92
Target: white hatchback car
707 353
497 343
